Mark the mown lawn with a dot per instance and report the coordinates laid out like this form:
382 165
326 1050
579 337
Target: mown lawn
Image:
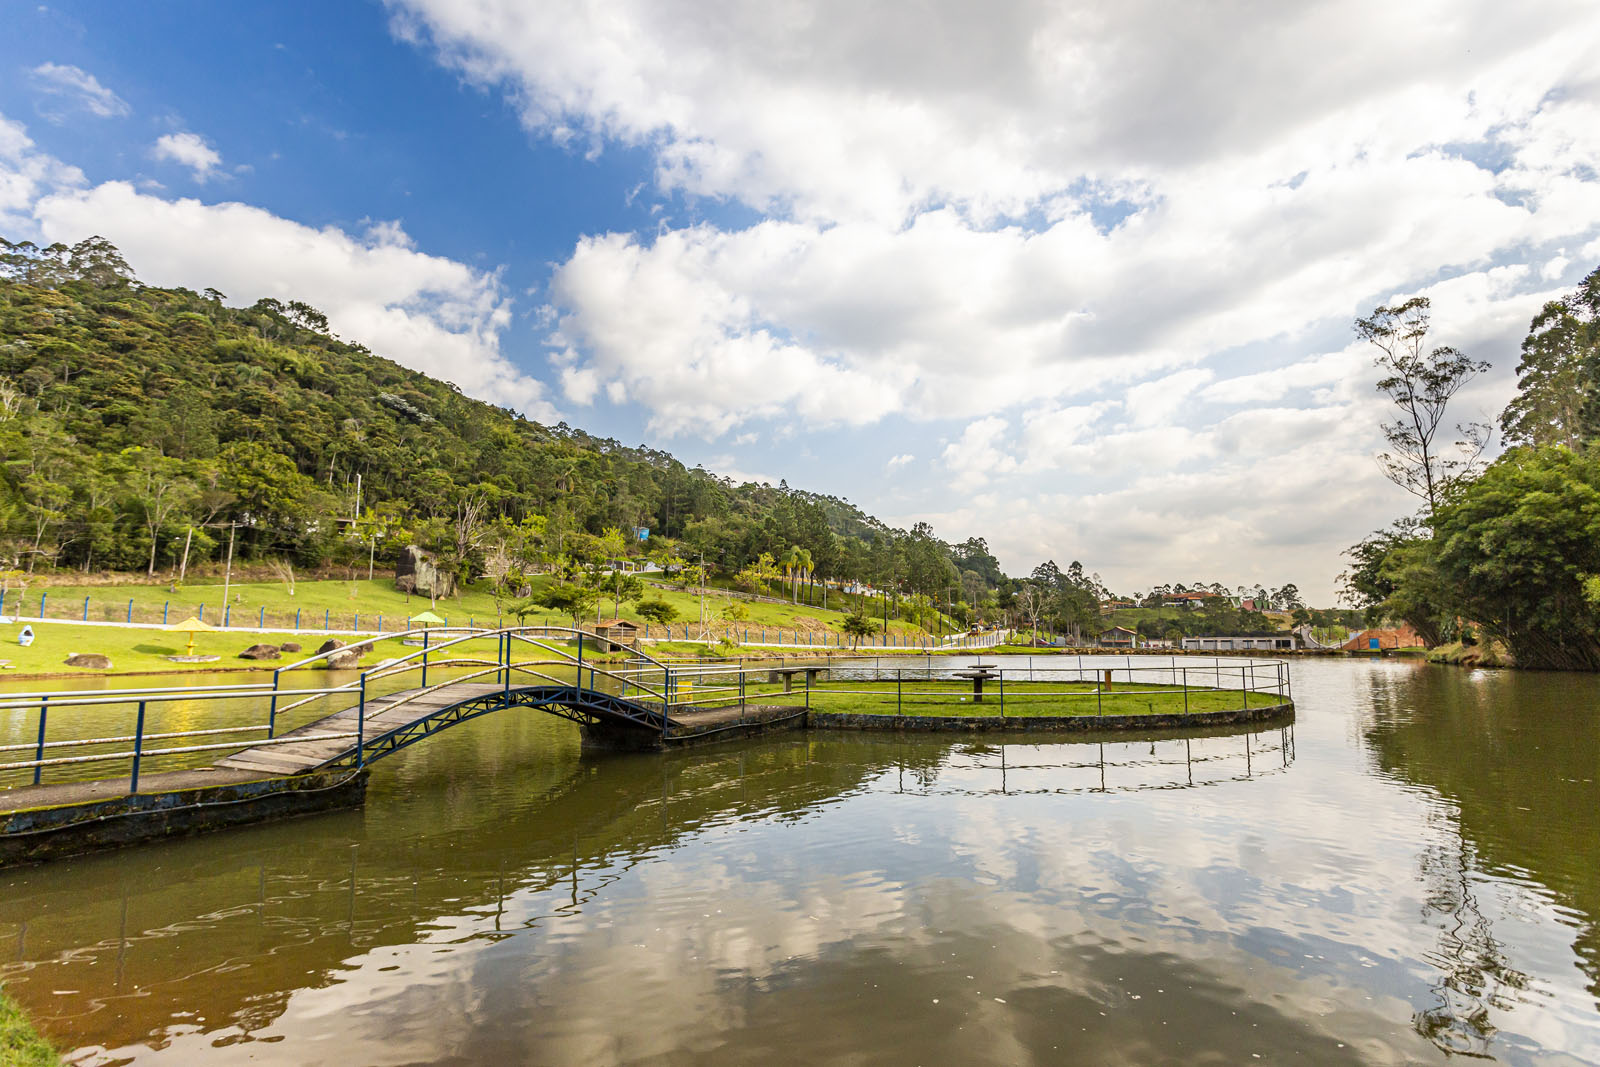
1020 699
362 604
145 650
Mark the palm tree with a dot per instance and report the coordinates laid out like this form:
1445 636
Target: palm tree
790 562
802 568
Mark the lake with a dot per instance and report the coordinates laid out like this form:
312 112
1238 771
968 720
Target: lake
1409 872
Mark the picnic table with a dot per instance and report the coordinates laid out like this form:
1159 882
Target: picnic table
979 673
786 674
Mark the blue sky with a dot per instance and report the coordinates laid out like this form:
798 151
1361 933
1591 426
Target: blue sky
1075 279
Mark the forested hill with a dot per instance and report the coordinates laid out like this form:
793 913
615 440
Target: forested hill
134 414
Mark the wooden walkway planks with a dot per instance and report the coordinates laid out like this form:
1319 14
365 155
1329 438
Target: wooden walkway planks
389 712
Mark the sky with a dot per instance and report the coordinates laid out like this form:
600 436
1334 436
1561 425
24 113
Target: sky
1076 278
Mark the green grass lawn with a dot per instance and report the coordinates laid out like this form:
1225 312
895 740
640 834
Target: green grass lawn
362 604
145 650
1021 699
20 1043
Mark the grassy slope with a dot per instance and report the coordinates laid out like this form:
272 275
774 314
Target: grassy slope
343 601
20 1044
136 649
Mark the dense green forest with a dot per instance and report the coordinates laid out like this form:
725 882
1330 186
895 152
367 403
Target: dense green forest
1509 551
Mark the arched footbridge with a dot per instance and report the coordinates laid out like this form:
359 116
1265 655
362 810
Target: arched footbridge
447 678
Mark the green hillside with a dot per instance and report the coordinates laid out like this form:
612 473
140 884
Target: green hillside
143 429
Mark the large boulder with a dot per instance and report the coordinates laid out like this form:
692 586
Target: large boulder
418 573
92 661
340 657
260 652
346 659
289 646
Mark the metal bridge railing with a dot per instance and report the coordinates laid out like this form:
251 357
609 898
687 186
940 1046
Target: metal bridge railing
261 726
660 692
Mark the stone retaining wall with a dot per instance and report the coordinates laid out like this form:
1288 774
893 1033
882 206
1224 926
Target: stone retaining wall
44 833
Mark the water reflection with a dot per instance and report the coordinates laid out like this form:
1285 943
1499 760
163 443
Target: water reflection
1321 891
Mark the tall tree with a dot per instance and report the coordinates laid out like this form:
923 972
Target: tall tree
1558 377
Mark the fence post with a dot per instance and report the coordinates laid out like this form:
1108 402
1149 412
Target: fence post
200 613
41 604
44 713
1186 690
424 657
898 701
85 609
361 724
227 613
261 618
165 607
506 692
1244 686
356 626
326 626
380 622
138 750
272 709
297 618
1099 701
1002 687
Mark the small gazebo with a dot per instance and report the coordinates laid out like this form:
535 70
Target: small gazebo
621 633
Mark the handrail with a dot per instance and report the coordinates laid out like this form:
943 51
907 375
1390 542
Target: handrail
676 686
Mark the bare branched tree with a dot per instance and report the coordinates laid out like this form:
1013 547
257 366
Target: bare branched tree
1421 384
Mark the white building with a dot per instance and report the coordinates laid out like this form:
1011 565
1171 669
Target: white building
1273 643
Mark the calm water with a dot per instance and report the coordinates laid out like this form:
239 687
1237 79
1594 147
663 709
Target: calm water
1410 872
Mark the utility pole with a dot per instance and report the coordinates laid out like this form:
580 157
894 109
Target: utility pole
357 513
702 595
227 574
183 567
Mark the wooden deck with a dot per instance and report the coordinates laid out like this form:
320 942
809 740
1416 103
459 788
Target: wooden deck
384 714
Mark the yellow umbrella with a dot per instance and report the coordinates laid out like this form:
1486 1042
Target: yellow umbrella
428 618
191 625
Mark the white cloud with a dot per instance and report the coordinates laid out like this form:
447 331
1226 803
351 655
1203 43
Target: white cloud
188 150
62 89
896 462
1039 219
26 174
977 455
426 312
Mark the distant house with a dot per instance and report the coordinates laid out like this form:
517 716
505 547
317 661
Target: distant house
1189 600
1377 640
619 632
1270 643
1118 637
